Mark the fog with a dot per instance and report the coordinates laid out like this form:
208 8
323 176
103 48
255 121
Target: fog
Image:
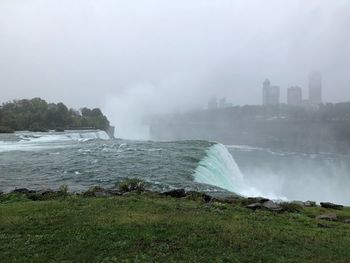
134 58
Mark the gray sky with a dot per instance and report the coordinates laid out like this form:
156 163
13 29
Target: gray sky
154 55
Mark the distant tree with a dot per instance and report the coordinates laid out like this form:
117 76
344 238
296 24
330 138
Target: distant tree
85 112
37 115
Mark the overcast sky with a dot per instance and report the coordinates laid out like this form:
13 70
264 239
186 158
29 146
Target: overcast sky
170 54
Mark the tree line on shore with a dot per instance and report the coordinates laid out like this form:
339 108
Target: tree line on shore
38 115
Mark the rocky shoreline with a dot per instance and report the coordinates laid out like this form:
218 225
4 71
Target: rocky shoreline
132 187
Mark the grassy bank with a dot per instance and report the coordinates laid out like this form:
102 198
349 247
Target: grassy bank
151 228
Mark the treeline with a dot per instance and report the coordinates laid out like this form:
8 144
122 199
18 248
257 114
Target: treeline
38 115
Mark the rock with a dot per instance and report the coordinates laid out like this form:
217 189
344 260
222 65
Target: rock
254 206
329 217
130 193
207 198
310 204
194 195
178 193
272 206
298 203
258 199
114 192
45 192
331 205
93 190
347 221
102 194
269 205
41 194
22 191
293 207
230 200
226 200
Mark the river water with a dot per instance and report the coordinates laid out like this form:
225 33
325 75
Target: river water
82 159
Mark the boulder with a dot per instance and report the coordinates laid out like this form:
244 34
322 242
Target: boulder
22 191
194 195
93 190
130 193
254 206
310 204
207 198
331 205
114 192
328 217
258 200
347 221
298 203
226 200
102 194
45 192
268 205
41 194
178 193
272 206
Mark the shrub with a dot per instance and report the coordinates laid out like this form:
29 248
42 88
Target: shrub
63 190
129 185
13 197
4 129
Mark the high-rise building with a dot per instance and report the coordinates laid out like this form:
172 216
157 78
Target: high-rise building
315 87
212 103
224 104
271 94
294 96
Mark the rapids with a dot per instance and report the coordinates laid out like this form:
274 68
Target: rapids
82 159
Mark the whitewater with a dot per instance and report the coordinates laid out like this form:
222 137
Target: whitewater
81 159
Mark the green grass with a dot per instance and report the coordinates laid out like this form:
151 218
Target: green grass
151 228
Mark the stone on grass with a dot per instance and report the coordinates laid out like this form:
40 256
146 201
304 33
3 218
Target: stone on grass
328 217
331 205
178 193
114 192
272 206
254 206
347 221
22 191
310 204
258 199
102 194
194 195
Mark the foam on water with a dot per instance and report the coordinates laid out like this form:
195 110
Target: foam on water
283 176
31 141
219 168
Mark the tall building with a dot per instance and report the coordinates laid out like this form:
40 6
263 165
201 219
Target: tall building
315 87
294 96
271 94
212 104
224 104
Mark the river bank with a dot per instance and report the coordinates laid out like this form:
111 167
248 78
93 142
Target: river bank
135 225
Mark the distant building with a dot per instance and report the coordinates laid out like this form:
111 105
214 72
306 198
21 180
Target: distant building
224 104
271 94
212 104
315 87
294 96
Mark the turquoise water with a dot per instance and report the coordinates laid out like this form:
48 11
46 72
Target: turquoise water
87 158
